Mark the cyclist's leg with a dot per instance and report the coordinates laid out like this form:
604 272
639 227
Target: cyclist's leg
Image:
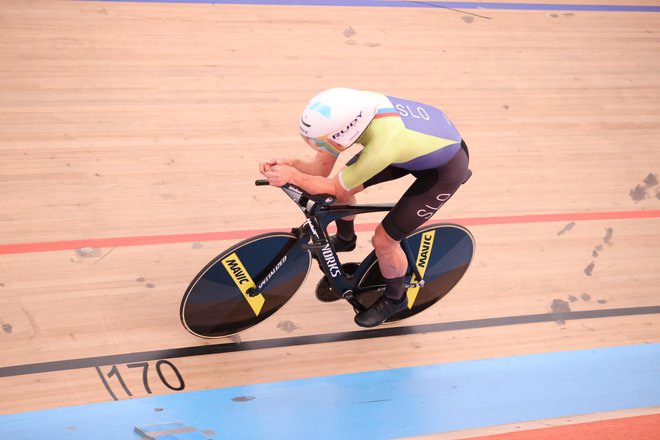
345 238
345 225
392 263
420 202
431 189
427 194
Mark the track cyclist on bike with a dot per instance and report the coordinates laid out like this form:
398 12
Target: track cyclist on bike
399 137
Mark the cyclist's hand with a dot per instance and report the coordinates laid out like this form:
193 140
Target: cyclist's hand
267 165
279 175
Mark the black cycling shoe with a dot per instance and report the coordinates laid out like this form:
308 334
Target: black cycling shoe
382 310
342 245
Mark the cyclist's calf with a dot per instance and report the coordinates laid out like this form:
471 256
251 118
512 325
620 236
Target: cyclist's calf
391 258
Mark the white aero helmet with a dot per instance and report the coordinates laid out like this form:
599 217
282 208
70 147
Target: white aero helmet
335 118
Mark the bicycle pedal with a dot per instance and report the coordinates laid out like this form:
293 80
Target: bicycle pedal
418 284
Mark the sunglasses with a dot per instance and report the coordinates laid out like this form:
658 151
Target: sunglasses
324 144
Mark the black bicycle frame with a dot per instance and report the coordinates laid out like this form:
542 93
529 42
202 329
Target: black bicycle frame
320 212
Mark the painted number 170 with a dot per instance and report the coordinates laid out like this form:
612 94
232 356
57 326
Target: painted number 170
114 376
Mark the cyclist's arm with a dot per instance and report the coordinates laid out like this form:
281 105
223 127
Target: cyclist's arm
320 165
280 174
322 185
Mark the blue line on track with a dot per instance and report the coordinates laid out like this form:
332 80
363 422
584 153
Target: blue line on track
379 404
420 4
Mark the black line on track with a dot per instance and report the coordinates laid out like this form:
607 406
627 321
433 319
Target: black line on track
74 364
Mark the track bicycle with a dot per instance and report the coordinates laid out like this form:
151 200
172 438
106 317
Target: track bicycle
253 279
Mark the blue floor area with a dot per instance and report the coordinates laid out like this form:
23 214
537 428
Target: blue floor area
375 405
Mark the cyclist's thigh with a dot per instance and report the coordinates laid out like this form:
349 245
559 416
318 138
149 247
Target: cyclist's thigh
425 197
389 173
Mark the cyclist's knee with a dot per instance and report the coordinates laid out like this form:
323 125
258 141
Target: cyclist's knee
346 198
382 241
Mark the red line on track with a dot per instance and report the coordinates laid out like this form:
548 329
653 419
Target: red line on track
629 428
21 248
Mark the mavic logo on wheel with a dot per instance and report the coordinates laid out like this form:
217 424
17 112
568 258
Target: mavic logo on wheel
244 282
425 248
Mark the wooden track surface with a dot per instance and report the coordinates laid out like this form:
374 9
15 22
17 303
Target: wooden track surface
124 120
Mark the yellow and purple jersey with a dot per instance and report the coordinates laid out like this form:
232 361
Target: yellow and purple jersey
405 134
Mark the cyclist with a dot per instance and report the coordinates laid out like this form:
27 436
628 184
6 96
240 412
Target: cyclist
399 137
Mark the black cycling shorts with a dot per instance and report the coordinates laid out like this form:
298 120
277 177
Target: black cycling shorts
430 190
